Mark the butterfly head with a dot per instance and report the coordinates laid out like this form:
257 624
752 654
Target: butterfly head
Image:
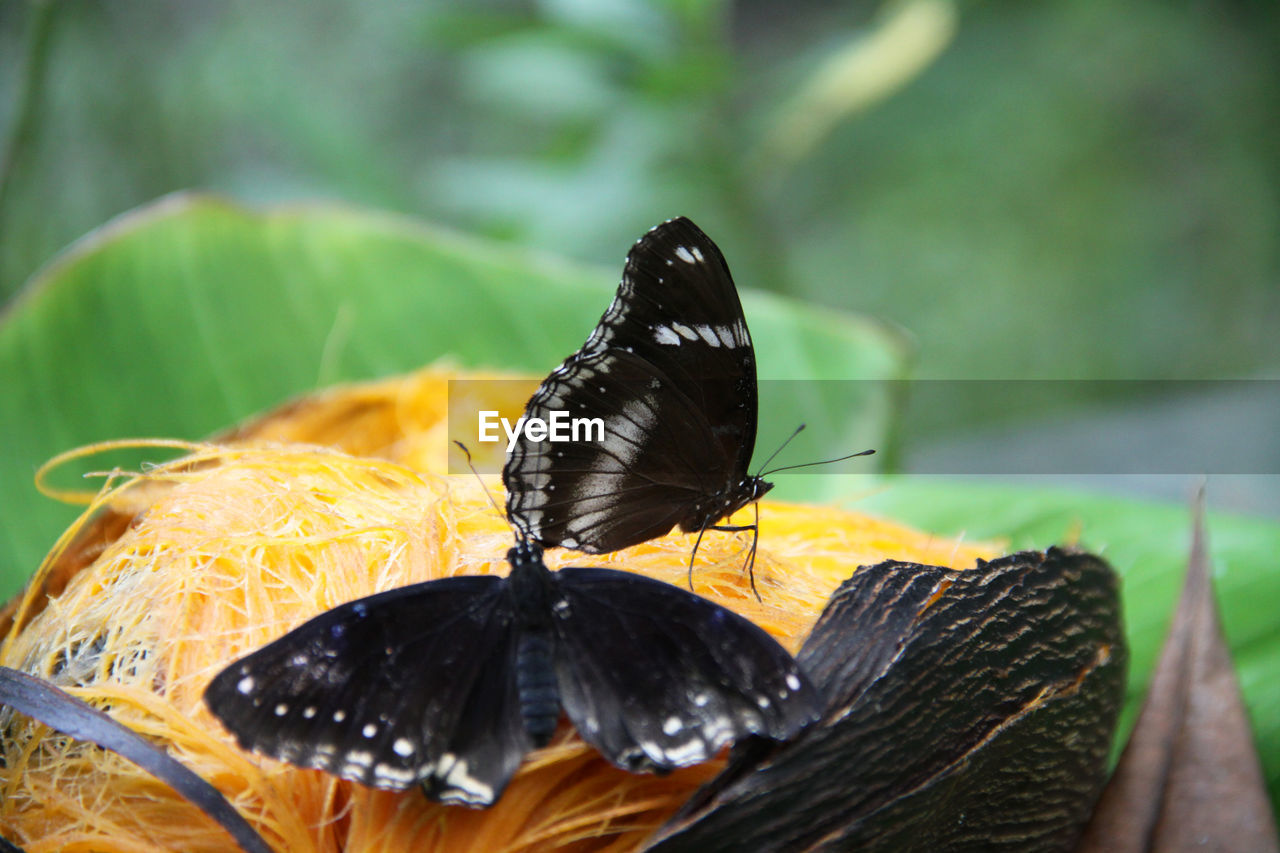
744 493
755 488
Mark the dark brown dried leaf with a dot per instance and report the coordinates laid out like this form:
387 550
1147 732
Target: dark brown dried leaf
966 710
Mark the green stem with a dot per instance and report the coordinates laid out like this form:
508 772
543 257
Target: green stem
30 91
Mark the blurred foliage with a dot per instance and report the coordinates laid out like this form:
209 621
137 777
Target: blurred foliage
1070 189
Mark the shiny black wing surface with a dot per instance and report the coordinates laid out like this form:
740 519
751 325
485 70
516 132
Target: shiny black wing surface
655 677
413 685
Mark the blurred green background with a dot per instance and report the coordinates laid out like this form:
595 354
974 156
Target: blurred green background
1056 190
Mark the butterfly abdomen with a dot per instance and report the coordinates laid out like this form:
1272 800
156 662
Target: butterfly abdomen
536 685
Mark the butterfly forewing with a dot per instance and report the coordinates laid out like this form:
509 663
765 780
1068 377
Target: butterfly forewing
670 370
411 685
682 313
656 677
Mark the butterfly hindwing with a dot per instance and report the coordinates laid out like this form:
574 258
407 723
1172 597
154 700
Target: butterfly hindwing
670 370
412 685
655 677
637 484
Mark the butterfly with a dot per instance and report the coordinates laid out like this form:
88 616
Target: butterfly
449 683
671 371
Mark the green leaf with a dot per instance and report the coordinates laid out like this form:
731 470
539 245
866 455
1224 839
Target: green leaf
180 319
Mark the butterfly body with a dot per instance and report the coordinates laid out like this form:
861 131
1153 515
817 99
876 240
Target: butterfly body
670 370
449 683
724 503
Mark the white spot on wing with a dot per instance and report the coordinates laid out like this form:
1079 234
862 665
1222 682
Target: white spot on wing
369 730
392 775
245 685
792 681
359 758
690 752
708 334
467 788
664 335
672 725
633 427
532 518
685 332
402 747
685 255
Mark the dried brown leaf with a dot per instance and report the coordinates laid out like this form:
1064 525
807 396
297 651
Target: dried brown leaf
1189 778
966 710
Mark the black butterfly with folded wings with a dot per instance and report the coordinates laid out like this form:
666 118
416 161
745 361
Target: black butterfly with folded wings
671 371
449 683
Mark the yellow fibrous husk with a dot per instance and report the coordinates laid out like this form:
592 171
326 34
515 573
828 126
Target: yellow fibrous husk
232 546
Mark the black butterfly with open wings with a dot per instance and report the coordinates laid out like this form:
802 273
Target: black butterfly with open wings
671 371
449 683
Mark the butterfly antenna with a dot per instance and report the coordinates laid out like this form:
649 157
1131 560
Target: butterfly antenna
781 447
823 462
479 479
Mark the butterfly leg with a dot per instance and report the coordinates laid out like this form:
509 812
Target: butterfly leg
694 553
754 527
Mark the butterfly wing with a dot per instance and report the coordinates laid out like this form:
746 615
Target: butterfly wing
677 308
600 496
412 685
655 677
670 370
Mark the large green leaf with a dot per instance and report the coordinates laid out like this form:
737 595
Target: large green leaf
185 317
